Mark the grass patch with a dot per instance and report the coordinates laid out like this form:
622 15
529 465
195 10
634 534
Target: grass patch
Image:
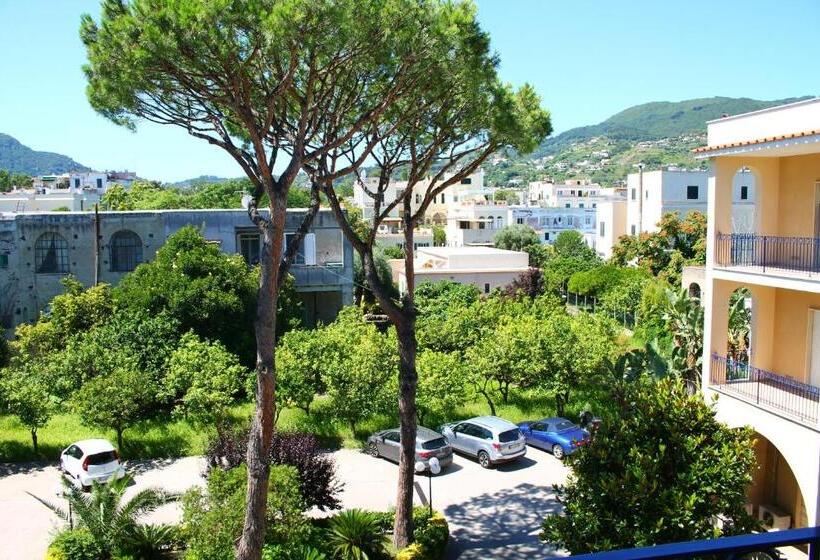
167 437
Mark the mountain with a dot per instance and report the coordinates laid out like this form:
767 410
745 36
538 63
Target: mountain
198 181
18 158
655 134
660 119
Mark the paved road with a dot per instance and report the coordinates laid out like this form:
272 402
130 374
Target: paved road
492 513
26 526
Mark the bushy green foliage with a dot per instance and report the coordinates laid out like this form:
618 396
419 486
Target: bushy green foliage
659 472
212 520
439 236
77 544
516 237
27 395
571 244
205 290
105 515
442 384
202 379
354 534
678 241
361 368
299 366
115 400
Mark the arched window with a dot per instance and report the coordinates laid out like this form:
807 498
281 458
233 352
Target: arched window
51 254
490 224
694 290
126 251
499 223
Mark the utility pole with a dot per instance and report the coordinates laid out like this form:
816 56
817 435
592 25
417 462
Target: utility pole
96 244
640 198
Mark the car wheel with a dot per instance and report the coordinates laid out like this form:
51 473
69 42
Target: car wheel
372 450
558 451
484 459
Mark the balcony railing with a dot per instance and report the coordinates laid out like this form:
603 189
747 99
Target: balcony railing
729 548
779 393
768 252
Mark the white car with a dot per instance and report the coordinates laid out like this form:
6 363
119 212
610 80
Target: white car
90 460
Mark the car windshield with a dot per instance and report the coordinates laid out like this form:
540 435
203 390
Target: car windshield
509 435
102 458
434 443
564 425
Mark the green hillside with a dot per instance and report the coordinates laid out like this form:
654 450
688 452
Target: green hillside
660 119
17 158
655 134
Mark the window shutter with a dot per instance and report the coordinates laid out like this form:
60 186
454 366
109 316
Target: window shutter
310 249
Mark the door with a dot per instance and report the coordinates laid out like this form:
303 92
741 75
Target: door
390 446
539 435
814 349
71 458
466 440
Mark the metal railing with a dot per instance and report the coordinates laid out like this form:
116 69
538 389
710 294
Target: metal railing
783 394
800 254
727 547
590 305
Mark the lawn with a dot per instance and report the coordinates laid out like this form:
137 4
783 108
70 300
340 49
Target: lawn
164 437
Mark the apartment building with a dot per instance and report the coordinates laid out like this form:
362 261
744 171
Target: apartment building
651 194
769 380
467 189
475 222
486 268
75 191
549 222
611 217
573 193
37 250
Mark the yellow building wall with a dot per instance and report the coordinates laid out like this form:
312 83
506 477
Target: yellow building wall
798 176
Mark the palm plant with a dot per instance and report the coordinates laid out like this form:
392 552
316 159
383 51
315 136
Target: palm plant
354 534
740 319
105 514
684 319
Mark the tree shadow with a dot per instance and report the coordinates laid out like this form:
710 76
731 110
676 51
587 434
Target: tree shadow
503 524
8 469
517 465
136 467
20 452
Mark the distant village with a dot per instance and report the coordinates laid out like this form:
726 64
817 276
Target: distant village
48 230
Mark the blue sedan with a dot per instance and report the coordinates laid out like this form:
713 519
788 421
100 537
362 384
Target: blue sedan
556 435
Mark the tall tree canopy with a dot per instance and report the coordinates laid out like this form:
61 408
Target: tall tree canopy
278 85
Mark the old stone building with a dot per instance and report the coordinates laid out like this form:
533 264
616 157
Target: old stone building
37 250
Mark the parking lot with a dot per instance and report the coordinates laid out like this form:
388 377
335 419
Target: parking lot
492 513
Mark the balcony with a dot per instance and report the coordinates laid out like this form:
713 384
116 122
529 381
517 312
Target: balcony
778 393
798 256
740 546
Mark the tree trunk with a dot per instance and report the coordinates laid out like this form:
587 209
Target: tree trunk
489 402
34 440
119 439
408 381
261 433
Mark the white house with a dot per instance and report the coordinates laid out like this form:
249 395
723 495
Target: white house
486 268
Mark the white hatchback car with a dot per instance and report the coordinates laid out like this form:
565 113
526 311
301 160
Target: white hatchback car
90 460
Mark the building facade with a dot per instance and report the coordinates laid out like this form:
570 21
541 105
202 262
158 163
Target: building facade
768 378
549 222
651 194
486 268
37 250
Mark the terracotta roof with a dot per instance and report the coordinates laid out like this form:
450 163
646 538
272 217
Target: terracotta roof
703 149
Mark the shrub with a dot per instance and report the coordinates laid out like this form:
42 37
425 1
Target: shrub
354 534
316 470
150 542
77 544
212 519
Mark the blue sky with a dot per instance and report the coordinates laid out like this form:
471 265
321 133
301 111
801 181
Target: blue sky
587 58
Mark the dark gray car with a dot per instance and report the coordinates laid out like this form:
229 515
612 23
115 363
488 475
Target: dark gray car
429 444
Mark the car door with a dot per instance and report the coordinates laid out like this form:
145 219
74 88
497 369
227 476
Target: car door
538 435
464 440
390 445
71 460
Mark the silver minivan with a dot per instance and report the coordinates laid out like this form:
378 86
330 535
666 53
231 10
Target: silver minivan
489 439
